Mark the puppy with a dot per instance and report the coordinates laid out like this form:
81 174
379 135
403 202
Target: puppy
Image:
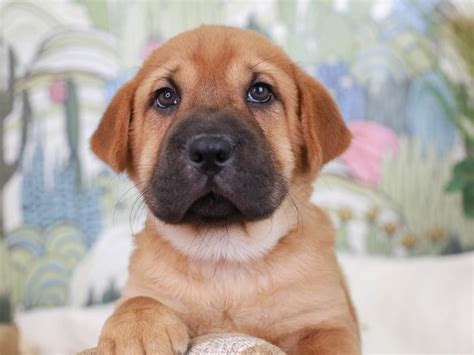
223 134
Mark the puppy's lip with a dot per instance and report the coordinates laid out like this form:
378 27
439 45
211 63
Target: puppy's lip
212 208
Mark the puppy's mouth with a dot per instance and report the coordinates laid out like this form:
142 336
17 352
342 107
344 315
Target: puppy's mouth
214 209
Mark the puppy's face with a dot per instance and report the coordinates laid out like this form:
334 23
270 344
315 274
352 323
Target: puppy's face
217 127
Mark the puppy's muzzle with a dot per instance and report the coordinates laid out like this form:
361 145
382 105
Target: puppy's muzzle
210 153
214 169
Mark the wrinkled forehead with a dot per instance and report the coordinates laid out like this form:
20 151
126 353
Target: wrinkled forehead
210 61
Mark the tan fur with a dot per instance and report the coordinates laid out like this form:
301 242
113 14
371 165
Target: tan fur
283 285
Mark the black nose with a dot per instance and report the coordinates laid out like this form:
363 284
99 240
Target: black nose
209 153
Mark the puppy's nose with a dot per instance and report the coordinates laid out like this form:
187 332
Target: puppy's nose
210 153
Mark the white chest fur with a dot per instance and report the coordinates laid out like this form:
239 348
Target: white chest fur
234 243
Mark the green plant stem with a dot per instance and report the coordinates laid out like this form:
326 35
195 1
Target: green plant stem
372 239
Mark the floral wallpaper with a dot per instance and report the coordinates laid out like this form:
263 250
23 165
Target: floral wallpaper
66 219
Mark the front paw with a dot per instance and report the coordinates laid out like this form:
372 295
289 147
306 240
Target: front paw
142 325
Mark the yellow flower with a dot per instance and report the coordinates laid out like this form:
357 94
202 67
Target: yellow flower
436 234
390 228
345 214
372 214
409 240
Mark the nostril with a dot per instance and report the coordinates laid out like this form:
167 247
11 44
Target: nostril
196 157
223 155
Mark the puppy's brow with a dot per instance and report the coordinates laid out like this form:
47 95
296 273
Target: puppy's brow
166 73
266 70
173 70
265 60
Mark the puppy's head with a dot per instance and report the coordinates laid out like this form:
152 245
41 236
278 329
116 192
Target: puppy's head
217 126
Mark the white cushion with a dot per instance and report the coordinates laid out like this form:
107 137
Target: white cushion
416 306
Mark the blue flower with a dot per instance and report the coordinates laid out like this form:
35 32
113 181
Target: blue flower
349 95
408 15
429 109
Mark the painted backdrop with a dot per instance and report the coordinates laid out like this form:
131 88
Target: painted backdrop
66 220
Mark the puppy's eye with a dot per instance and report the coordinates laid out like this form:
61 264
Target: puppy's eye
166 97
259 93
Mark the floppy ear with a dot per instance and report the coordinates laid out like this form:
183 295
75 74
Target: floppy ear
324 131
110 140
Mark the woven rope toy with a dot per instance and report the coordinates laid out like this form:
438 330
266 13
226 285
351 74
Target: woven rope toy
226 343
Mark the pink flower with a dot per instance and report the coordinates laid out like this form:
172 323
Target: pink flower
370 144
58 91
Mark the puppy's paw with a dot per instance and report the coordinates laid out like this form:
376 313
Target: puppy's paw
143 326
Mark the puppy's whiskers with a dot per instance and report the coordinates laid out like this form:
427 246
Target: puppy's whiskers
122 198
140 202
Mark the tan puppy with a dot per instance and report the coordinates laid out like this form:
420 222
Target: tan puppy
224 135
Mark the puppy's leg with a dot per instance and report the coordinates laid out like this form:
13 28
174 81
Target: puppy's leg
329 342
142 325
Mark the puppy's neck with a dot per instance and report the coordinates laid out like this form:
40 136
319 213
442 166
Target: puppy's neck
237 243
